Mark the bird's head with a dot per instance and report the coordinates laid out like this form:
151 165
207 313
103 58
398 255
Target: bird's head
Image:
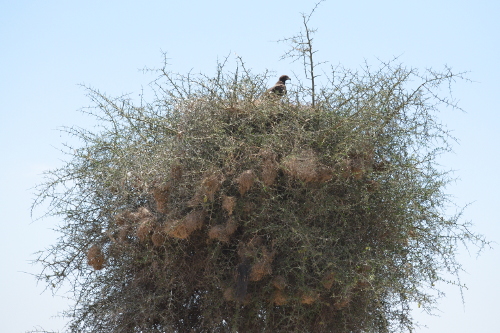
284 78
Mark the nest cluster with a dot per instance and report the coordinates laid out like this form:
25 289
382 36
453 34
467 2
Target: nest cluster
220 212
261 206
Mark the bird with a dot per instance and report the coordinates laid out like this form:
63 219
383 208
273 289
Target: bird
279 89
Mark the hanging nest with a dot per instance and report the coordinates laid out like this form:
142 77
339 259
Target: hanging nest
223 233
95 257
245 181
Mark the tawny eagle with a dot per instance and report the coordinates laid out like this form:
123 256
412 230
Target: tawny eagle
279 89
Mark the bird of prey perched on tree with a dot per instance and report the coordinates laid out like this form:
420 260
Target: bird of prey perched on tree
279 89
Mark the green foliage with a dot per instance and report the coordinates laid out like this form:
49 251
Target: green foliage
211 210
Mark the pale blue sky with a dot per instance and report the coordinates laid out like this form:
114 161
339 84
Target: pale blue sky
49 47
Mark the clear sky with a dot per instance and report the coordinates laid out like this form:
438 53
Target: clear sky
48 48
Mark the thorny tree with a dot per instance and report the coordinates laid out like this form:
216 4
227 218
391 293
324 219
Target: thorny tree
210 209
301 48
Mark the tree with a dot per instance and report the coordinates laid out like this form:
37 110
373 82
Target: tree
209 209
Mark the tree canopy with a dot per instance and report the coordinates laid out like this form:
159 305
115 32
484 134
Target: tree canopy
211 209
